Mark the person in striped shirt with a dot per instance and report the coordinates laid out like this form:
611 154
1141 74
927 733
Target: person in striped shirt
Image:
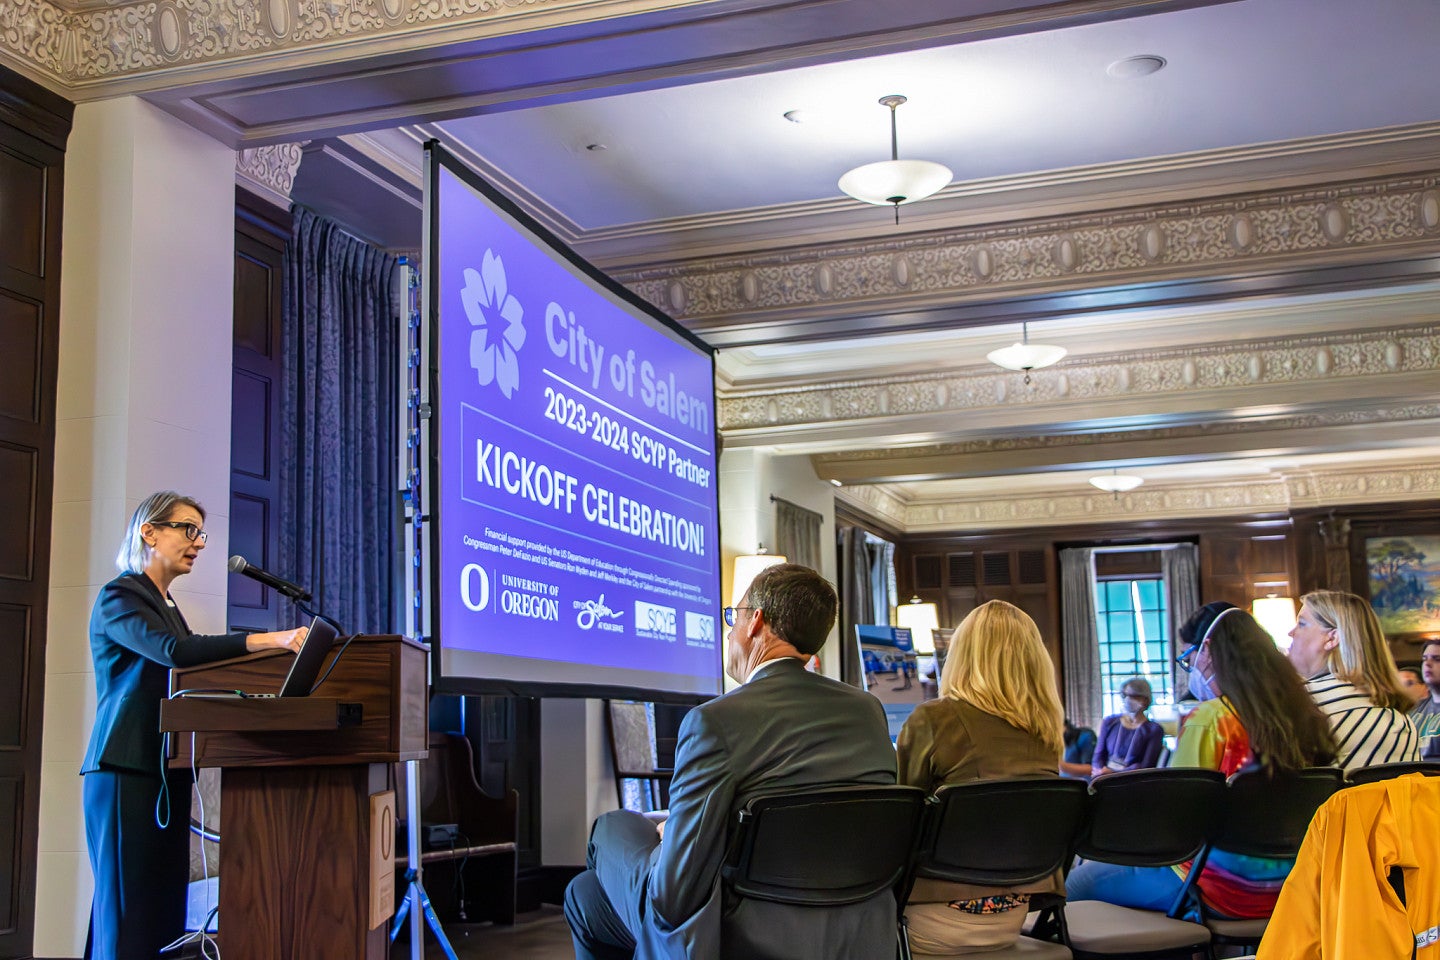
1338 647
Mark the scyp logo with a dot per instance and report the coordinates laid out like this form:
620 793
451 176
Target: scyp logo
654 622
489 305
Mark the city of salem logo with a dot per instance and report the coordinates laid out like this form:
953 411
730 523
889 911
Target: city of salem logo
489 305
593 614
699 629
654 622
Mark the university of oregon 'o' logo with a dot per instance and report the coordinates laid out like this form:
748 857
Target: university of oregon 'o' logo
487 303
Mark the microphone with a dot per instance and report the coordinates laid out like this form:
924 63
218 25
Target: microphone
238 564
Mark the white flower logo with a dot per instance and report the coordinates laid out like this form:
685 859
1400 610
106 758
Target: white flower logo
484 295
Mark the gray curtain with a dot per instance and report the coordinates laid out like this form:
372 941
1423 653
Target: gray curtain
864 565
1078 638
338 419
797 533
1181 568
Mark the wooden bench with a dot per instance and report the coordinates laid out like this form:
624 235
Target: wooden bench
474 879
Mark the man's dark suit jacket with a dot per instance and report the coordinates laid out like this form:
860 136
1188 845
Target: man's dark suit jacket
135 638
785 730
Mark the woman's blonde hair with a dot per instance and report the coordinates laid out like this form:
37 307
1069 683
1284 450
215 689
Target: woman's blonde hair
133 554
997 663
1362 657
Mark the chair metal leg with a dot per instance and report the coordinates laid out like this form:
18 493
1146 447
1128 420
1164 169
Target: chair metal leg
902 936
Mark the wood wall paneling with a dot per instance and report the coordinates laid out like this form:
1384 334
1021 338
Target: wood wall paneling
21 331
34 125
13 917
15 644
261 232
22 211
1238 556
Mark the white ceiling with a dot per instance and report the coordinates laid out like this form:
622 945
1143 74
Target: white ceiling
1237 75
1034 127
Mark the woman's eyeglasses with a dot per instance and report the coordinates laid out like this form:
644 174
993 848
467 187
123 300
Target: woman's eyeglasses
191 531
1186 660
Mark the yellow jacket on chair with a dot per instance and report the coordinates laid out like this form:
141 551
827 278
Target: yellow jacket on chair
1338 903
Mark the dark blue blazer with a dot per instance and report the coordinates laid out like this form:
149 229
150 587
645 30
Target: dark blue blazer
135 638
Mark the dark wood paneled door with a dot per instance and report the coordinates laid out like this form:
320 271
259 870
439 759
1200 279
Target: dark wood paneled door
261 232
33 129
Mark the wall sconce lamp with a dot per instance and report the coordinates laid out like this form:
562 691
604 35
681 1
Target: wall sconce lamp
747 565
922 619
1277 615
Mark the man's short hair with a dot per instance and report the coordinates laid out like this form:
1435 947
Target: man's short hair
1429 642
799 604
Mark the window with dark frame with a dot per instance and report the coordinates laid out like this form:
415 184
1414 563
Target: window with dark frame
1132 629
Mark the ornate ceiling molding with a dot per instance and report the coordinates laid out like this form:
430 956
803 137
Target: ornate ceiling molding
1349 222
1414 412
80 43
1198 378
269 171
1278 494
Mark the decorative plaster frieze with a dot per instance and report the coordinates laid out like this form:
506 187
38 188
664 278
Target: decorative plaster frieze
1337 223
127 38
270 171
1280 493
1232 365
1056 441
877 501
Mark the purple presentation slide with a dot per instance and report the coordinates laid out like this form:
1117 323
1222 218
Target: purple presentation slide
577 533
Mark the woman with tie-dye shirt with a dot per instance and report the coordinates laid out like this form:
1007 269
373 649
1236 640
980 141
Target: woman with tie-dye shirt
1255 713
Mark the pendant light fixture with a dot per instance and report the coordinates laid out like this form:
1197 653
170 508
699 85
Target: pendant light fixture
1116 482
895 181
1025 355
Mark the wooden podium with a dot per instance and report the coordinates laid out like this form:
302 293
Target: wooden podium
305 866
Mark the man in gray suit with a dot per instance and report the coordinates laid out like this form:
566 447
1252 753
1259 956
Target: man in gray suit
784 730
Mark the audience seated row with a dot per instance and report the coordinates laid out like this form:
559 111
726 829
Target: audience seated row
1254 713
999 716
831 848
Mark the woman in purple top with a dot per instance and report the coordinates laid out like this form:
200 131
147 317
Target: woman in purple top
1129 740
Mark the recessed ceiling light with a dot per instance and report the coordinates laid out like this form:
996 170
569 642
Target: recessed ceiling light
836 482
595 147
1132 67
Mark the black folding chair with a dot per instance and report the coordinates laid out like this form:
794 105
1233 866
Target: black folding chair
1265 815
1003 833
1143 818
826 848
1385 771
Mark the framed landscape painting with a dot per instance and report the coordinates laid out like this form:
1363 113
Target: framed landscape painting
1404 575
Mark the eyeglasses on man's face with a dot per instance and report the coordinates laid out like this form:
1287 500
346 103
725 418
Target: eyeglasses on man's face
191 531
732 613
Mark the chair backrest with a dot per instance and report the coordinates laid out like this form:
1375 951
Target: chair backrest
1152 818
1266 815
1001 832
1384 771
825 847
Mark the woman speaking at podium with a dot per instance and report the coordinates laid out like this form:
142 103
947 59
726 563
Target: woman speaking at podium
139 846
